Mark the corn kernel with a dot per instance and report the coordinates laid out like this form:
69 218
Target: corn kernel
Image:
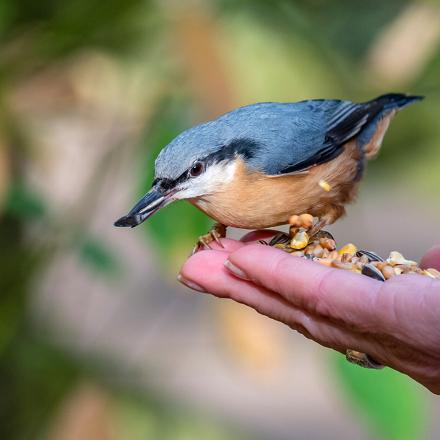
324 185
349 248
300 241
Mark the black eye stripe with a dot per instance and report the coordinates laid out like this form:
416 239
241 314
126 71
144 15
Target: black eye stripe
164 184
245 148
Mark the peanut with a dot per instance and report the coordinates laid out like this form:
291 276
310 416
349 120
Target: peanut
327 243
388 272
294 220
306 221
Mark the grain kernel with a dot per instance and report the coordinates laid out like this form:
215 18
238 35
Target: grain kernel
306 220
431 272
346 258
334 255
341 265
388 272
379 264
292 231
364 259
294 220
349 248
360 265
327 243
318 251
324 185
325 253
325 261
398 270
398 258
300 240
297 254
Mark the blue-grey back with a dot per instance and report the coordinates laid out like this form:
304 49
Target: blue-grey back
285 134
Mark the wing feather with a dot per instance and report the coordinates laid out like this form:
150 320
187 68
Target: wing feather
346 122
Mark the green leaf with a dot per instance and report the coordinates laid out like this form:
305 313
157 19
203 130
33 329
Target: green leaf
24 203
393 404
94 253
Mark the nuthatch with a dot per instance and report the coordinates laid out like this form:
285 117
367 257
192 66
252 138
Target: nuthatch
257 165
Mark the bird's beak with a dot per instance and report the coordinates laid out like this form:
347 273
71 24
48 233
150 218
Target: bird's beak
144 208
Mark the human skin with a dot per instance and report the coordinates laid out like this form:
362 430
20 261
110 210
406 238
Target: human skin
396 321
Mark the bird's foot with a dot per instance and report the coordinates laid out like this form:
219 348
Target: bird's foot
304 229
217 232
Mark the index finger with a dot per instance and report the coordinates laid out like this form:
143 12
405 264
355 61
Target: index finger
333 293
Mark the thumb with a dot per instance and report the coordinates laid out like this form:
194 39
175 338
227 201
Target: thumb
431 258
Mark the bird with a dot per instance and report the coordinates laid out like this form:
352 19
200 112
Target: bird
256 166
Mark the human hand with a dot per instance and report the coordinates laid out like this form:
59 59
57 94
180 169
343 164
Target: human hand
396 321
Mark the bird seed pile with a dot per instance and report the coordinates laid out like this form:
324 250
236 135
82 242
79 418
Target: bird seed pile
321 247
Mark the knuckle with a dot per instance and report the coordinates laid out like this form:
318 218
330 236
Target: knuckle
317 301
279 269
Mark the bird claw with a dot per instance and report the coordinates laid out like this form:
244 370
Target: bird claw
304 229
317 228
280 238
217 232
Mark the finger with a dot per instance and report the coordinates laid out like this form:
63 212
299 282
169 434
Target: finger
255 236
431 258
229 245
332 293
206 270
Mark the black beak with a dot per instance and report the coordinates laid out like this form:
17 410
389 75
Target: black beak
146 207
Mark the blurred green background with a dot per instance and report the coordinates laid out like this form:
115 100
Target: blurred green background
97 341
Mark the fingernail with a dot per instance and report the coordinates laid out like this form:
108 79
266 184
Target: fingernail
191 284
236 270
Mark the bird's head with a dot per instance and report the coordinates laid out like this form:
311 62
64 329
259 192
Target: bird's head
198 162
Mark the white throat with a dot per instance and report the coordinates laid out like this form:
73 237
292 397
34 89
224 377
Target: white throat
214 178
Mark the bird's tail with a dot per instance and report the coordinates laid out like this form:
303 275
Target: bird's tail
384 107
396 101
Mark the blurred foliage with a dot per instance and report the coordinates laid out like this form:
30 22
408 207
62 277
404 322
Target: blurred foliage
175 228
396 406
95 253
25 204
18 262
34 378
139 418
48 30
347 26
279 50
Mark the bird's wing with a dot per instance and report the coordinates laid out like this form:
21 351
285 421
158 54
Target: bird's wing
341 121
292 137
332 123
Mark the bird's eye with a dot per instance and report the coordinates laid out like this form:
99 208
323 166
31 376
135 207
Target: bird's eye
196 169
